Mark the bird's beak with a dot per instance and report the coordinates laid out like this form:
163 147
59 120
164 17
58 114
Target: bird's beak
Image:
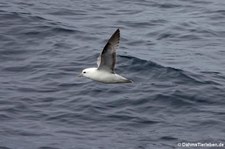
80 75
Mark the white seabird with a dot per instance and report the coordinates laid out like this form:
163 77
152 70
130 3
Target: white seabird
106 64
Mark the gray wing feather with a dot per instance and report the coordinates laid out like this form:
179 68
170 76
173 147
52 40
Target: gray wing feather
107 58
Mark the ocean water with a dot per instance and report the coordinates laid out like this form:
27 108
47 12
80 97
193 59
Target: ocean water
174 51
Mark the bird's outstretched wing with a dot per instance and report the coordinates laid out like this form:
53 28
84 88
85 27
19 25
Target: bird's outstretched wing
107 59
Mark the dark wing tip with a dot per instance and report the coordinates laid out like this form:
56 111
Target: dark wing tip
116 34
114 39
118 30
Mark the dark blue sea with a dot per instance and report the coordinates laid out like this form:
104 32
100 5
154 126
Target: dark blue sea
173 50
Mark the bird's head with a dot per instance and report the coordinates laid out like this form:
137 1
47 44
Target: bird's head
87 72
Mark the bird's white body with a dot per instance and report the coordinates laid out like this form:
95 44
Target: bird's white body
104 76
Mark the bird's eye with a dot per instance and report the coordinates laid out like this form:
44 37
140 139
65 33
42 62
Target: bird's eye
84 71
